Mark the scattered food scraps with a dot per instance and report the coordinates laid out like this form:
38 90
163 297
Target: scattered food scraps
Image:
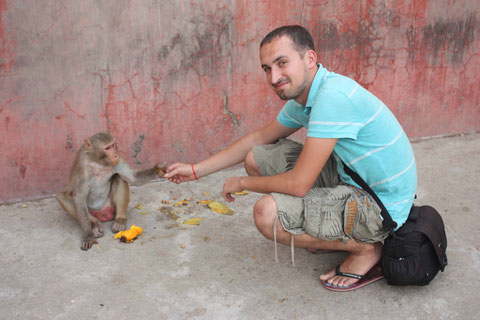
220 208
183 202
182 246
139 206
128 235
206 239
165 209
204 201
193 221
204 193
166 201
241 193
144 212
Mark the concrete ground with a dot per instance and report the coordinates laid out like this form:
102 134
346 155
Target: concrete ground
223 268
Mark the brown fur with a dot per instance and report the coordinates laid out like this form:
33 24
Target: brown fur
98 169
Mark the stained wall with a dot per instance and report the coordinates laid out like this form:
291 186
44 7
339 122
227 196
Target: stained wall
180 80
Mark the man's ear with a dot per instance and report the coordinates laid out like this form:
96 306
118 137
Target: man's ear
311 57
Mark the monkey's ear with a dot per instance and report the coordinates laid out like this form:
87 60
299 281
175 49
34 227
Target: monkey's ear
87 144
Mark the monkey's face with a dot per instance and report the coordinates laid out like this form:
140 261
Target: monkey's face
110 151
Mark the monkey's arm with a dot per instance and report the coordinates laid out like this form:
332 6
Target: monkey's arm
139 177
80 195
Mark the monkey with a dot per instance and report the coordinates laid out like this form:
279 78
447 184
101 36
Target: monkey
98 187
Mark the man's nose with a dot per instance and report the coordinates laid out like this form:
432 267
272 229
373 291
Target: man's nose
275 75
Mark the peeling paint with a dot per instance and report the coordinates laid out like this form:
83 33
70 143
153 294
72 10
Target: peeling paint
69 144
137 147
23 171
234 121
7 45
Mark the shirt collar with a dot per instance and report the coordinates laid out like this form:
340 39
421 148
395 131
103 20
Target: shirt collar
317 81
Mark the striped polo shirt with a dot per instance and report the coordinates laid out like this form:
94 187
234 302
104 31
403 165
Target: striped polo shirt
370 139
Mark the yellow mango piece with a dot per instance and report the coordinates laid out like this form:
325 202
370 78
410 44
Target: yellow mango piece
181 203
193 221
204 201
220 208
144 212
140 206
241 193
128 235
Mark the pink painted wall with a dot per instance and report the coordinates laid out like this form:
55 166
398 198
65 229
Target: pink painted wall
179 80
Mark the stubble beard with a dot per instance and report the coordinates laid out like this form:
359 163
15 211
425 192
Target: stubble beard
294 93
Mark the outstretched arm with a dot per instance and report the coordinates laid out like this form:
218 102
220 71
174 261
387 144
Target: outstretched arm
296 182
139 177
230 156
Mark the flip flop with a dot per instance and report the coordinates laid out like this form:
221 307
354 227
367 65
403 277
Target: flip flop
315 251
373 275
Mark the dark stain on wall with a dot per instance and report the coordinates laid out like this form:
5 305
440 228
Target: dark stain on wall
329 39
203 50
452 37
165 50
137 147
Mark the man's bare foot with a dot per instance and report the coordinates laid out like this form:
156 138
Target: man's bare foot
358 262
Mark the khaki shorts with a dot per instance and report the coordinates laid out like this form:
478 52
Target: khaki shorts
331 210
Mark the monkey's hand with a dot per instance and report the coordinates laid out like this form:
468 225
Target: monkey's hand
161 168
88 242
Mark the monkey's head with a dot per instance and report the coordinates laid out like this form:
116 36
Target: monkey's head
102 147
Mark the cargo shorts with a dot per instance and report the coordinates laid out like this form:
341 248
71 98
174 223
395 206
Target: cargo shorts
331 210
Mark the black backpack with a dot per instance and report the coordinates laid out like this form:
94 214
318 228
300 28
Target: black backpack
414 253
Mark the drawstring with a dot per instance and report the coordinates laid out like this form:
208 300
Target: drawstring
292 250
275 237
292 242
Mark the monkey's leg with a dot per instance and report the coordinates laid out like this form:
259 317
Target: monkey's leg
66 201
120 196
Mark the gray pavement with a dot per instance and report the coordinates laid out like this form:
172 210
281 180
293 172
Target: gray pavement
226 269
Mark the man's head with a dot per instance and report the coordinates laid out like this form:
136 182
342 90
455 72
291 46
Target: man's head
300 37
289 60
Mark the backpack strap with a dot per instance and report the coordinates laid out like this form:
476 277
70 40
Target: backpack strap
388 223
436 237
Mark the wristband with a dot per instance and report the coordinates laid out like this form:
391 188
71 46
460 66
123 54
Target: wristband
194 174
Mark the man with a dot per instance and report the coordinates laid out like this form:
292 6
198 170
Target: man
310 200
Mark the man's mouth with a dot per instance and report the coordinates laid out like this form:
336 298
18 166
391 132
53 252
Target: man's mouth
280 84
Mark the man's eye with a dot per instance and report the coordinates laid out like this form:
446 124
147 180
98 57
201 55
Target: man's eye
267 70
282 63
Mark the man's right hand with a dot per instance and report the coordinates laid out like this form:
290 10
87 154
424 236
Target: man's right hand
179 172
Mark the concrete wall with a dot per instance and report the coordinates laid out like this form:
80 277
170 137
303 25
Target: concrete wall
179 80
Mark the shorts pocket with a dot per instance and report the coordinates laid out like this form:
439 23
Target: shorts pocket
324 213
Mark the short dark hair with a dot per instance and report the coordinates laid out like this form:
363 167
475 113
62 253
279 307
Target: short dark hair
301 38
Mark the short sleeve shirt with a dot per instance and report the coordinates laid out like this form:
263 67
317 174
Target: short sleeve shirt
370 139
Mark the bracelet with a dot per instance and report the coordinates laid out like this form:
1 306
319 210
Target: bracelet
194 174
